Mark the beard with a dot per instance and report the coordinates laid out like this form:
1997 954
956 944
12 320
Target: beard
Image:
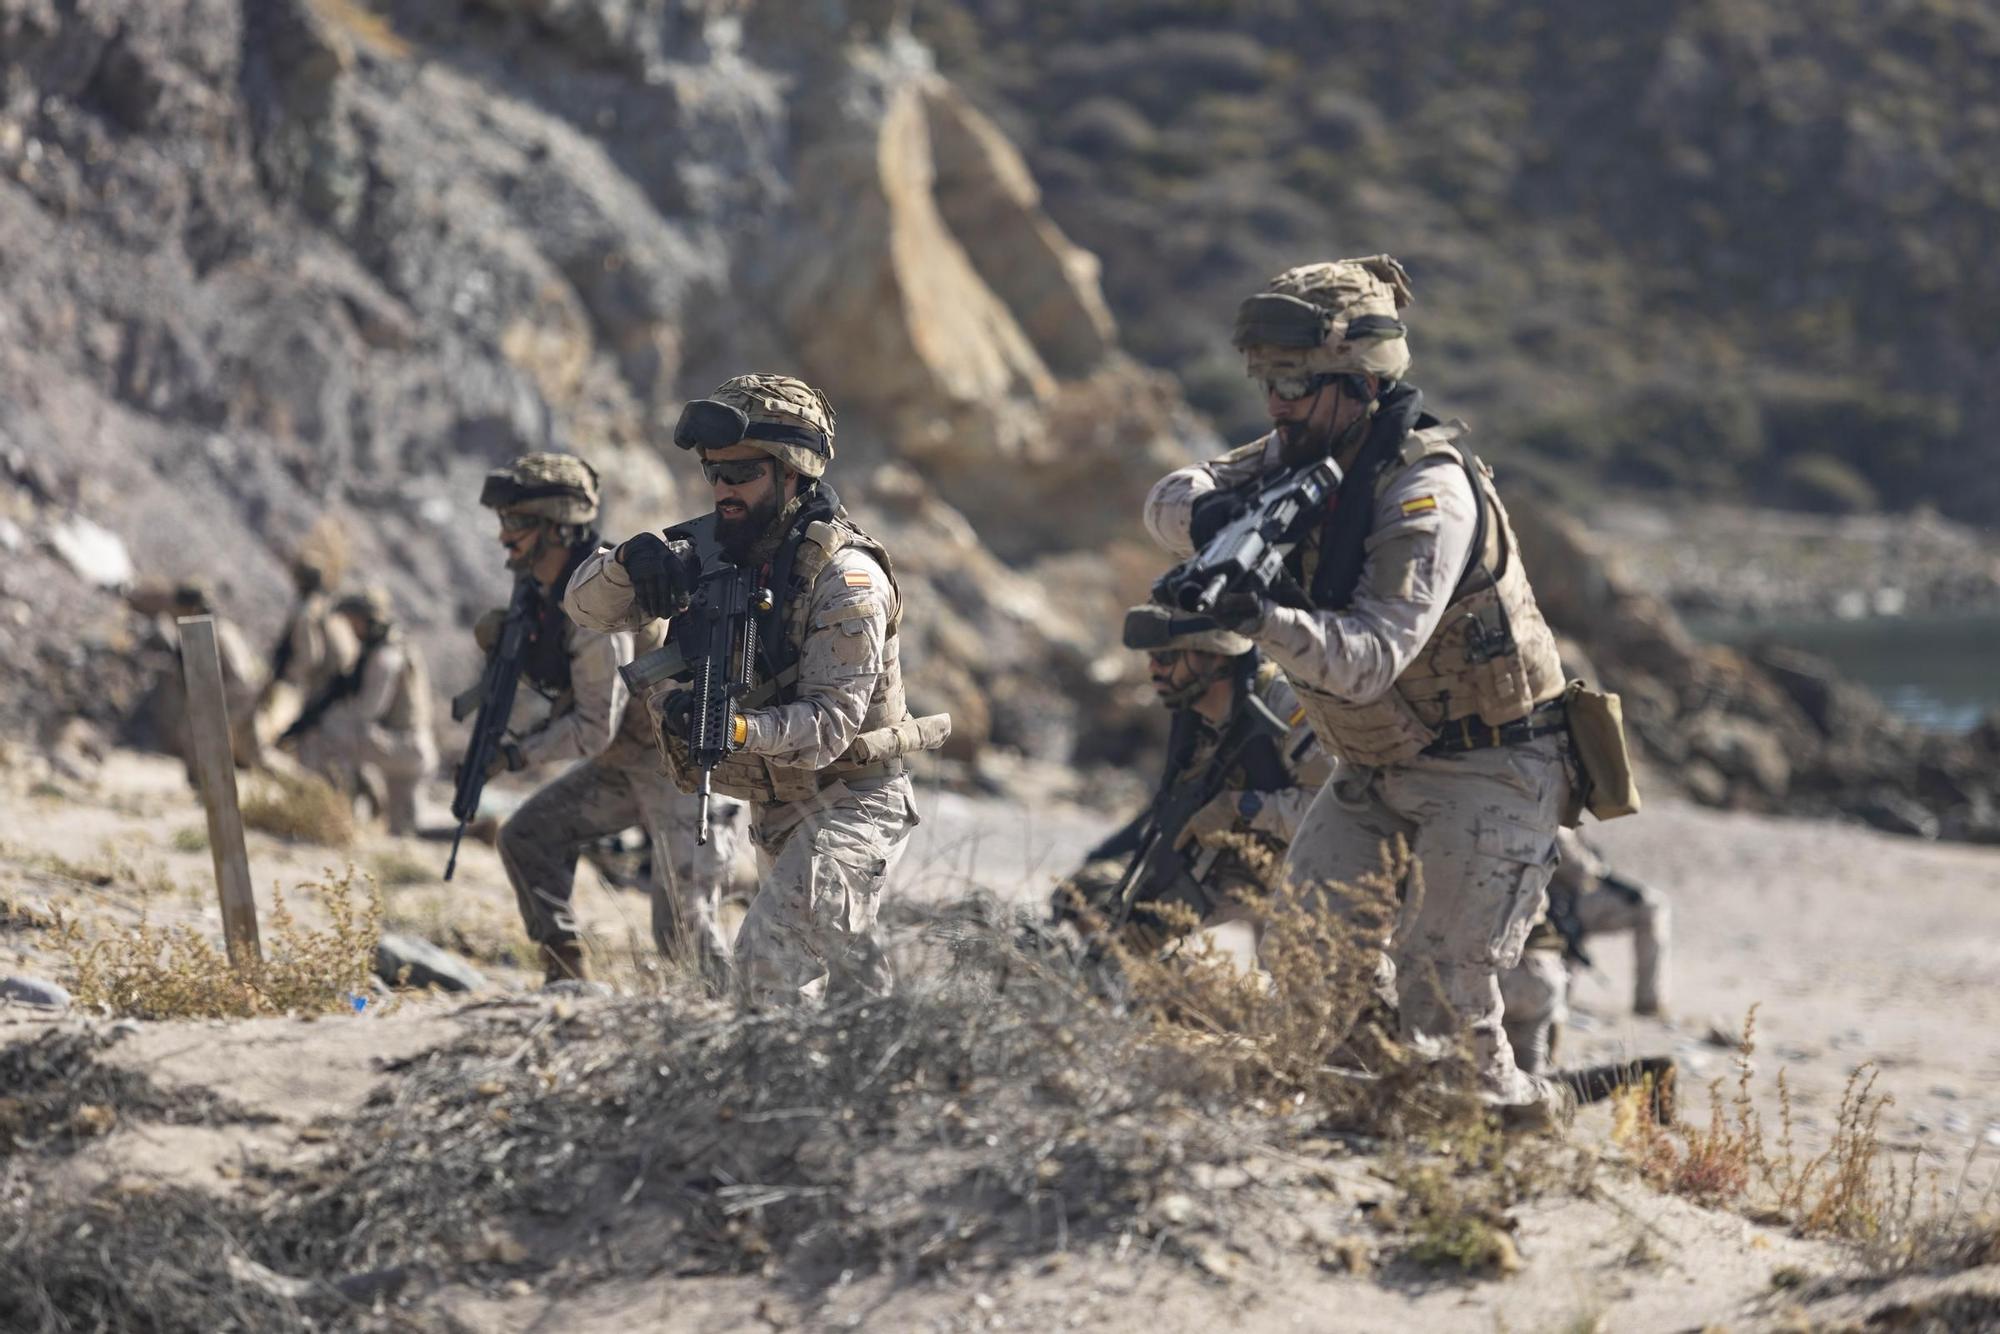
737 530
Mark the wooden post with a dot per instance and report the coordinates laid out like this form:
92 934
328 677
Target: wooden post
208 731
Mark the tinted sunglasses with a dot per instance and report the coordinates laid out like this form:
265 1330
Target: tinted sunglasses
733 472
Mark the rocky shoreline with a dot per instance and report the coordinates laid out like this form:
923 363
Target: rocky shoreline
1726 562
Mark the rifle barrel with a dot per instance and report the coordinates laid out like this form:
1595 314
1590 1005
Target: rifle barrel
451 864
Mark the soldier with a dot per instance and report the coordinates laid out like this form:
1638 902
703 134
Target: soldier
1586 898
315 647
1416 649
821 764
1241 760
242 674
547 508
376 716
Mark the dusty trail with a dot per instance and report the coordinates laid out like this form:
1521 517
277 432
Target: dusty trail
1856 946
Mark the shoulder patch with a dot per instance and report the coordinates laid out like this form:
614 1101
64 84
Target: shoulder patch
1420 504
857 579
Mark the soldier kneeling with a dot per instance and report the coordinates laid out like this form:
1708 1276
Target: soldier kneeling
1242 766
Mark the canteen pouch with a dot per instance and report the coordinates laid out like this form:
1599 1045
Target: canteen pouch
1604 764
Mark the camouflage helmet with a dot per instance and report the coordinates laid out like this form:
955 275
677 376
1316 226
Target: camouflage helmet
777 414
371 604
561 488
1332 318
1153 628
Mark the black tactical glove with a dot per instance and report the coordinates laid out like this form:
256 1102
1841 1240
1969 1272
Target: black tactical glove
677 714
1240 613
663 573
507 758
1212 513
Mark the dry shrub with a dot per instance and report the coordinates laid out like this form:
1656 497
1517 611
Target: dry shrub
1454 1201
301 807
178 973
396 869
1846 1191
1306 1032
108 869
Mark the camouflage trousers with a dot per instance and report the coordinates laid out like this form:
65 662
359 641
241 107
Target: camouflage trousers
541 841
1535 996
1481 827
1536 991
811 933
389 765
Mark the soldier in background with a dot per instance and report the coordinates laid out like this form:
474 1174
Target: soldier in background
1242 764
547 507
822 762
316 647
375 719
242 674
1586 898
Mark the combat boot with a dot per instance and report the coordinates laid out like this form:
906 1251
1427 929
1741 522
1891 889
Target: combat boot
1598 1082
562 961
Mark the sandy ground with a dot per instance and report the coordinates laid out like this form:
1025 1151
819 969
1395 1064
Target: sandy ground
1856 947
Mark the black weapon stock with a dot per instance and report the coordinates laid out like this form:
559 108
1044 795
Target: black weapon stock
1248 553
496 706
717 636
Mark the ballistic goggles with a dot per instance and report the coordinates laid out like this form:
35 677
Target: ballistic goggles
502 492
1155 629
734 472
1273 319
707 423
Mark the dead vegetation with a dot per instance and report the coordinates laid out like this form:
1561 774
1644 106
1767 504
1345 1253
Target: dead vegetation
177 972
299 807
59 1094
1853 1190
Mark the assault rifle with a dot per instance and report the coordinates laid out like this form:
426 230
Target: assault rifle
1156 863
495 698
1247 554
714 646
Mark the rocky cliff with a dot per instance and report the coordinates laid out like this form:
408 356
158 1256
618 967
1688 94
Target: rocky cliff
264 261
267 261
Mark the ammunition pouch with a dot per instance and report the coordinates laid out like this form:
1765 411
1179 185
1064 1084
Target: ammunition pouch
1605 785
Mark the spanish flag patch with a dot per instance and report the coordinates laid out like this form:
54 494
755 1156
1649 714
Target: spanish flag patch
858 579
1420 505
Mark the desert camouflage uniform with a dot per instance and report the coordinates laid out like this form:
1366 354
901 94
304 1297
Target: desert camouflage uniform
1388 676
618 784
383 724
242 682
314 648
824 857
1537 991
1276 780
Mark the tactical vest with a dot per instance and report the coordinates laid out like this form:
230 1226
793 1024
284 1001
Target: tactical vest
545 656
1491 658
409 708
757 777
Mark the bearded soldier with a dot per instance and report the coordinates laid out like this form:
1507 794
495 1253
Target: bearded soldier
1242 766
1407 626
547 508
818 747
374 717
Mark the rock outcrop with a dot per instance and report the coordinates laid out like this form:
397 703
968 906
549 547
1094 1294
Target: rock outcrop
277 259
1769 730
